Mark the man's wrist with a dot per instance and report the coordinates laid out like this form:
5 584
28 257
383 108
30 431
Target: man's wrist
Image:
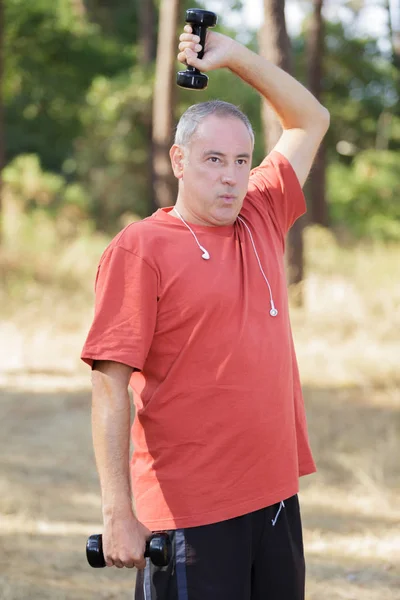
239 58
118 509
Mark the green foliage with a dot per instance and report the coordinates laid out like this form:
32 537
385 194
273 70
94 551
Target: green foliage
30 193
117 19
51 59
78 117
360 89
365 198
359 84
29 186
112 155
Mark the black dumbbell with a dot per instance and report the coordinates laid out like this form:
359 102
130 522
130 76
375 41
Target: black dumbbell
199 20
158 549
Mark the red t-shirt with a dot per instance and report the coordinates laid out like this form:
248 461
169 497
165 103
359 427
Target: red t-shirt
219 429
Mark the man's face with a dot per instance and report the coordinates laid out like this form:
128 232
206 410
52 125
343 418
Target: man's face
214 172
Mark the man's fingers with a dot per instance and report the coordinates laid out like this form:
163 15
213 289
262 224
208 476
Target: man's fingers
128 563
191 57
140 565
186 37
195 47
188 57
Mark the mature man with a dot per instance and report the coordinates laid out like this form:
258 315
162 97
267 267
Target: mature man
192 312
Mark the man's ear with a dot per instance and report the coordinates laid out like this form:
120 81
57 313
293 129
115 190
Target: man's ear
177 160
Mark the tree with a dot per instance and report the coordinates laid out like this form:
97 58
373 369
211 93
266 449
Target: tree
118 19
111 155
147 56
147 32
275 46
394 33
164 101
2 148
394 36
315 52
51 60
359 84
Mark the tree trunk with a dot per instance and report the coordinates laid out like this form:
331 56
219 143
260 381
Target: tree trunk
316 185
147 55
164 101
275 46
147 32
2 133
394 33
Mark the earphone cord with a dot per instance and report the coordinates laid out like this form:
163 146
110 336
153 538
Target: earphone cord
190 229
273 312
259 263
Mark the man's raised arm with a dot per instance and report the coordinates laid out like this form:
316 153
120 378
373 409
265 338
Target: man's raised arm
304 120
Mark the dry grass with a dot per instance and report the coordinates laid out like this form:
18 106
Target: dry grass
348 344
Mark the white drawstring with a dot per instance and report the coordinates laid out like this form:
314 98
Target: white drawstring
282 505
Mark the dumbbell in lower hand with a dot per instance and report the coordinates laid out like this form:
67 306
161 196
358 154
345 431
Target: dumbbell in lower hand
158 549
199 20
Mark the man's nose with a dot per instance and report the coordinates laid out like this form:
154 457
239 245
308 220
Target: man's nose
228 176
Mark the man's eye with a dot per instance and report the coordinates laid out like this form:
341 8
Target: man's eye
242 161
214 159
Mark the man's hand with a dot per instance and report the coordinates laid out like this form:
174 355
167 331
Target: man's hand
124 542
218 52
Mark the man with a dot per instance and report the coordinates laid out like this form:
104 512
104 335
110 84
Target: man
192 312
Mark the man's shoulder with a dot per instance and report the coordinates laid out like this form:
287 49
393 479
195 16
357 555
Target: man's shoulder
271 164
138 235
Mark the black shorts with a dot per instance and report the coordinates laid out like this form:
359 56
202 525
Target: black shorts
258 556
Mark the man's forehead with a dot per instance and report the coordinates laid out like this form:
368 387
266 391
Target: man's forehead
211 122
221 133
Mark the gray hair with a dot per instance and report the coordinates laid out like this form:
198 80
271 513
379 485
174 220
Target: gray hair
194 115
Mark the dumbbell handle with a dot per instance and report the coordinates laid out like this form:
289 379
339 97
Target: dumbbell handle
201 31
158 549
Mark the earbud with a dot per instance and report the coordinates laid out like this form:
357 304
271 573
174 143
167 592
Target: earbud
205 254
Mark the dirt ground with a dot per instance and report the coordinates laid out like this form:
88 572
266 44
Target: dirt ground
49 496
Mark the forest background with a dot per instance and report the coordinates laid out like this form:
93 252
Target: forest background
87 111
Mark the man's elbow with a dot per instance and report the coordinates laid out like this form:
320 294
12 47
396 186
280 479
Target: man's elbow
322 119
315 123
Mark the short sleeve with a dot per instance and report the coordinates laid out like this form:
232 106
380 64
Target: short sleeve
275 189
125 310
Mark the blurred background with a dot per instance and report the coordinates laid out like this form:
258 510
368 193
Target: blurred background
88 105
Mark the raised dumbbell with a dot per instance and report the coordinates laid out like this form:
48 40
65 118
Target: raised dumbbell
199 20
158 549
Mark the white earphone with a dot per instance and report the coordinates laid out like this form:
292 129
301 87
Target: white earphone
273 311
205 254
